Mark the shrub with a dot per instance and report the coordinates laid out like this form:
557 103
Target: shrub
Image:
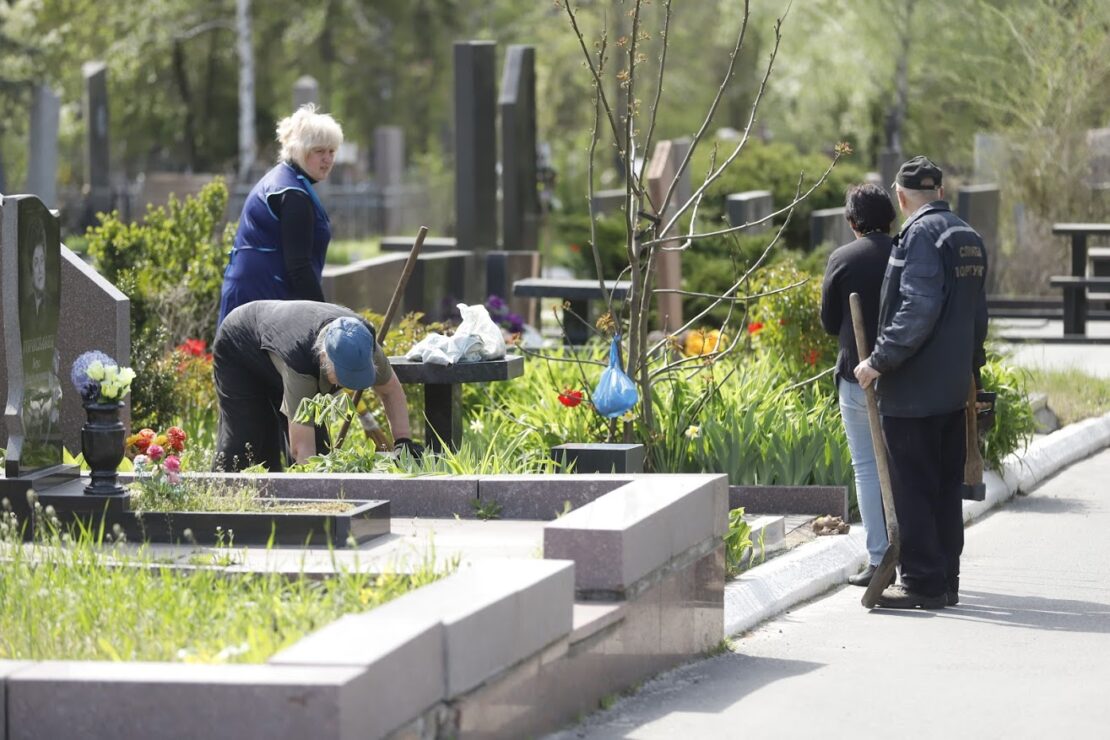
170 265
787 321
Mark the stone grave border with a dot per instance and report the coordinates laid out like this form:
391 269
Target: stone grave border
630 583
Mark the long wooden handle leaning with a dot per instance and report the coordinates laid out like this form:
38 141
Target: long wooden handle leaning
876 429
387 321
973 462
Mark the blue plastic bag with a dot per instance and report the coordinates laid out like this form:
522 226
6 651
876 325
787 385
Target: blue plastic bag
615 392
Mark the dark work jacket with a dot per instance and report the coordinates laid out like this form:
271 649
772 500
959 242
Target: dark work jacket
856 267
286 328
257 267
932 315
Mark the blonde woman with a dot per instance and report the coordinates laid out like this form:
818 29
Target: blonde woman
284 230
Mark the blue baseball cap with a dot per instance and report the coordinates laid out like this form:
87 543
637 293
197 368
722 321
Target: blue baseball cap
350 347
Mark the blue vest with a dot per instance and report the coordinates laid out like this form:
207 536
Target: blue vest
256 267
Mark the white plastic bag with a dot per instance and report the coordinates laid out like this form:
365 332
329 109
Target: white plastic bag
477 338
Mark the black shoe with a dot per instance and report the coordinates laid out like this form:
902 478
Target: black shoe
863 578
900 597
953 598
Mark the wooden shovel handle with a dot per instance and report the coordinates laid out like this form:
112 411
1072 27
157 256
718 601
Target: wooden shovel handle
973 462
877 440
387 321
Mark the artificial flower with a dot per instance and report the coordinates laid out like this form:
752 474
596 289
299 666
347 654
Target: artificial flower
155 452
755 327
95 370
172 464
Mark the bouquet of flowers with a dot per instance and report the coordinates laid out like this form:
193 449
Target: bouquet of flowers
99 379
502 316
156 456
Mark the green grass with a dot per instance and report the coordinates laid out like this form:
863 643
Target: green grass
346 251
1072 394
74 597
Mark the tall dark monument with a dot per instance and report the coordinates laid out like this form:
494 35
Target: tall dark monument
97 161
520 205
475 145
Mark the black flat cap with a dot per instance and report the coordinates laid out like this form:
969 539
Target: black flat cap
919 174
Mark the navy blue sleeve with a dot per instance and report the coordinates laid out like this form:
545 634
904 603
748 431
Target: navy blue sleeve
922 292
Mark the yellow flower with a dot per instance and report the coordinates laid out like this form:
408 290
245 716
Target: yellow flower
629 415
95 370
111 372
693 431
126 375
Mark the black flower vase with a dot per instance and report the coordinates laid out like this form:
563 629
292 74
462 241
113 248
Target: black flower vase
102 444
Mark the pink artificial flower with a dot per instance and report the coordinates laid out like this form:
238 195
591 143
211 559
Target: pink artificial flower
173 478
172 464
155 452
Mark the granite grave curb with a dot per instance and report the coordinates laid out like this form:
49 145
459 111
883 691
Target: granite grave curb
816 567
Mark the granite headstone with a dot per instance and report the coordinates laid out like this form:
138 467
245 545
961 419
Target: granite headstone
30 254
42 160
828 225
305 90
520 205
475 145
749 207
97 153
661 171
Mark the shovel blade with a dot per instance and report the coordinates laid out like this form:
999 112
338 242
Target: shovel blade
884 573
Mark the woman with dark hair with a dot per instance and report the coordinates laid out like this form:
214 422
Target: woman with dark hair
284 230
858 267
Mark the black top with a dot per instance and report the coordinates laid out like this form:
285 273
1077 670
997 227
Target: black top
856 267
297 216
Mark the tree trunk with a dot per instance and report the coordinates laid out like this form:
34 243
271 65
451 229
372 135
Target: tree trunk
181 77
248 148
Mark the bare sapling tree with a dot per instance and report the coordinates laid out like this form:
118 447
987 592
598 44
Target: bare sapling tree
652 225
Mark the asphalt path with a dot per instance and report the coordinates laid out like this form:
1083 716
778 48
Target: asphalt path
1026 653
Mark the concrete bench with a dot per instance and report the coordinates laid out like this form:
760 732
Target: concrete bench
578 293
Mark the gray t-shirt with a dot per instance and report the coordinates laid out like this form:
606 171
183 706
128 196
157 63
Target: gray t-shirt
298 386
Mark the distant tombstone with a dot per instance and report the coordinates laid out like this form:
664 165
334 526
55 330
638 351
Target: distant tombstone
608 202
979 206
520 203
389 172
97 155
30 253
991 157
889 162
306 90
475 145
829 225
42 164
749 207
680 148
1098 150
660 173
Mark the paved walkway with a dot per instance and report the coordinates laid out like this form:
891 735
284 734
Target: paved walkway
1026 653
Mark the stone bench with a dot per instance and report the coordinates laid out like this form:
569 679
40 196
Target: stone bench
579 293
1075 300
443 392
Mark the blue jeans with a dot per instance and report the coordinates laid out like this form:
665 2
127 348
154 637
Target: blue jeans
853 409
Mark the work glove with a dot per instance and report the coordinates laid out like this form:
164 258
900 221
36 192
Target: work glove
404 444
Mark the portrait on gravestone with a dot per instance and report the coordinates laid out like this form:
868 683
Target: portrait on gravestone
39 277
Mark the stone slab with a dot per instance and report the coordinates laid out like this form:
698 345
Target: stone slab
410 371
572 290
92 700
790 500
366 284
623 536
544 497
403 660
431 244
587 457
428 497
7 668
828 225
495 614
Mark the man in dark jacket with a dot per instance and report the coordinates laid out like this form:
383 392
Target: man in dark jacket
932 325
858 267
268 356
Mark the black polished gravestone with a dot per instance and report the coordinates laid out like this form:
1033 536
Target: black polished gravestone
30 293
520 202
475 145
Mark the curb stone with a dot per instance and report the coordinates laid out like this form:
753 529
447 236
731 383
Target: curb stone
818 566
